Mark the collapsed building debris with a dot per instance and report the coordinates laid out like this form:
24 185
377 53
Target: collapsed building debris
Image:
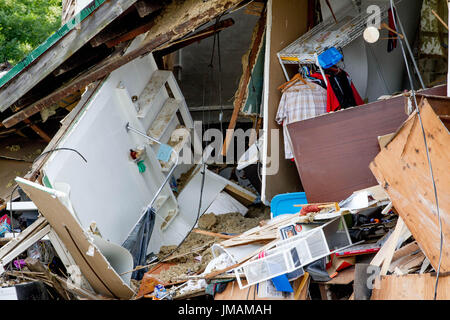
128 198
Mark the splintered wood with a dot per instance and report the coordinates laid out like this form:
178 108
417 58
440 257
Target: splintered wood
411 287
264 234
402 169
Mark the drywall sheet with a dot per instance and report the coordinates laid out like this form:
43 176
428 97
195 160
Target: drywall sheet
286 21
109 189
333 151
402 169
94 266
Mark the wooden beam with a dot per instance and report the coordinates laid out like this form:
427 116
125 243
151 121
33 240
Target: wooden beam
412 287
203 34
178 20
62 49
392 245
212 234
240 95
38 130
130 35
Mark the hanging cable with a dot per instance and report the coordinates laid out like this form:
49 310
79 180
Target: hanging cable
203 162
220 78
413 94
15 188
58 149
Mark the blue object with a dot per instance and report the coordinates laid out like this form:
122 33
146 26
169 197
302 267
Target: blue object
284 203
281 283
164 152
329 58
137 241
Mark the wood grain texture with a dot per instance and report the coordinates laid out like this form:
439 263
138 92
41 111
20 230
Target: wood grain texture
402 168
333 151
61 51
175 21
411 287
288 21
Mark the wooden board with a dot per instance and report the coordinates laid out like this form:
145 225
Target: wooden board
68 39
286 21
50 41
175 21
248 62
333 151
411 287
402 168
233 292
95 268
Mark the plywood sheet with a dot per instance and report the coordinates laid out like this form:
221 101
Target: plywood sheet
287 20
411 287
402 169
333 151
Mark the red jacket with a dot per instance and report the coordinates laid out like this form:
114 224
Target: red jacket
333 103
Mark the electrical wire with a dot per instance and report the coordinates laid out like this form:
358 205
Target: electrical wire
203 163
10 210
58 149
413 94
17 186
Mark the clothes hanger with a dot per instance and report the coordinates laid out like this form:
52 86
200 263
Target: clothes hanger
383 25
291 82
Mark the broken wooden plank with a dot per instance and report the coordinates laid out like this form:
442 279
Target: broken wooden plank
97 270
302 289
343 277
396 236
411 287
38 130
243 85
164 117
130 34
65 42
175 21
213 234
200 35
156 83
384 140
402 169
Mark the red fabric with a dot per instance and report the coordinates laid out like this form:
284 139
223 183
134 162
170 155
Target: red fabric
358 99
5 217
333 103
393 41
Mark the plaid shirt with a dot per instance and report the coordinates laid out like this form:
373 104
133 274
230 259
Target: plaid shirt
300 102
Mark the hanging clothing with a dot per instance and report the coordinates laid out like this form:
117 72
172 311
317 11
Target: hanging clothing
341 92
392 42
300 102
137 241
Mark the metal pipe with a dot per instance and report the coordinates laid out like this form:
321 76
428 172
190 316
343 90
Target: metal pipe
129 128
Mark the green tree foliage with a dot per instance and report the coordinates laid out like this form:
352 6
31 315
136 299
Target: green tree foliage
24 25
